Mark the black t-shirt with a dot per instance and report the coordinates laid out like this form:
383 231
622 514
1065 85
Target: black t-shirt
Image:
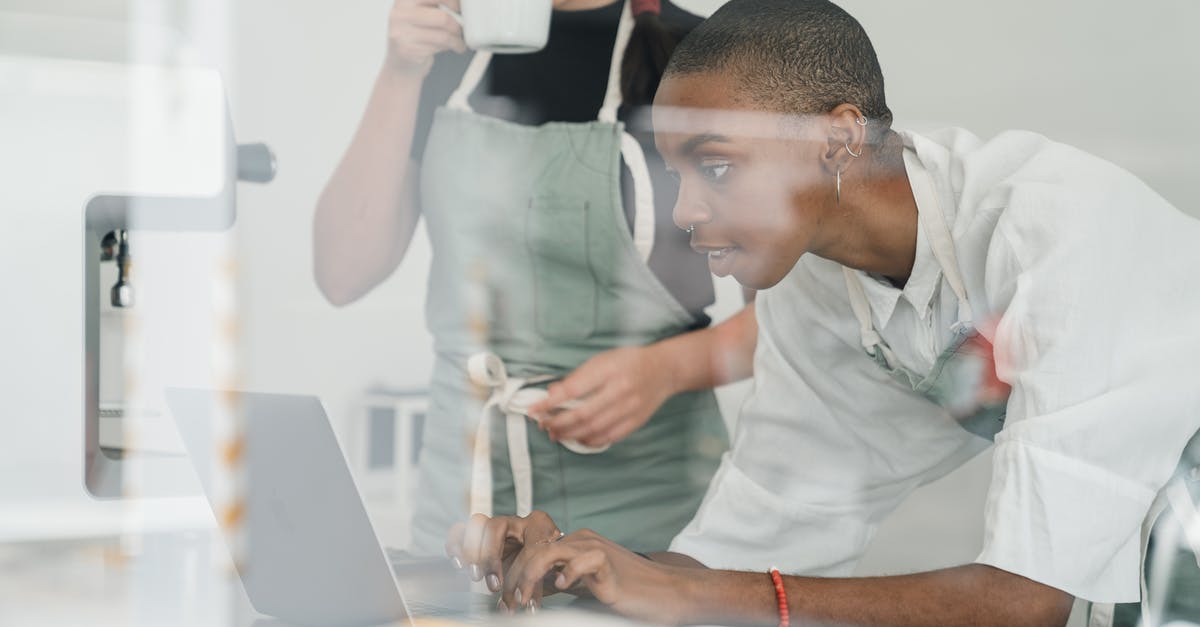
566 82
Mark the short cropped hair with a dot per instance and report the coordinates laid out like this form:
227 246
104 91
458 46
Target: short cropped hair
795 56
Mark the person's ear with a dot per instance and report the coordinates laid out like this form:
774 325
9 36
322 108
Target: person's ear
846 138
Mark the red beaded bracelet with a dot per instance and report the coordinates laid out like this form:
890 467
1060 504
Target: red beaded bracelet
780 596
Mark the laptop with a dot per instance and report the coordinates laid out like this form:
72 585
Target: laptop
311 556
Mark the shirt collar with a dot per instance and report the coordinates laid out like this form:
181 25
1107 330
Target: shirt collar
926 275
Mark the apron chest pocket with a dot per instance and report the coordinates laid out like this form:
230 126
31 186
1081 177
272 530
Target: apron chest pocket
564 283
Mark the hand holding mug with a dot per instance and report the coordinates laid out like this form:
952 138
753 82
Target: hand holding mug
419 29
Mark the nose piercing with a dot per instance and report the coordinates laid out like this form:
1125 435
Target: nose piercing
691 227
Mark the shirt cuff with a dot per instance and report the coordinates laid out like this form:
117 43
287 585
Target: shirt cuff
1064 523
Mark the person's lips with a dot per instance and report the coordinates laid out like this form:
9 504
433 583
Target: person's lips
720 258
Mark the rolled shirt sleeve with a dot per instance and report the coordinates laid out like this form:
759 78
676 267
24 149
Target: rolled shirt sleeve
1098 340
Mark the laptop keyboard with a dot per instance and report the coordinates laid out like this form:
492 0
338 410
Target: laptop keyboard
460 606
472 616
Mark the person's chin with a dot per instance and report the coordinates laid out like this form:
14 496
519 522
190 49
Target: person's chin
755 276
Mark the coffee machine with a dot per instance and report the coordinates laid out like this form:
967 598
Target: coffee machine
117 191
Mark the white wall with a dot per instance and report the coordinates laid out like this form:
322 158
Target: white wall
303 71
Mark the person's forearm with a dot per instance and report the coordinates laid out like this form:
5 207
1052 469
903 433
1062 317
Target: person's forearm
366 214
714 356
966 595
675 559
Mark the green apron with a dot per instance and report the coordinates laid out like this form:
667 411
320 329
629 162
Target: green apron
533 261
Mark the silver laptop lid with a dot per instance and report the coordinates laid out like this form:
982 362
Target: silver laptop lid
311 554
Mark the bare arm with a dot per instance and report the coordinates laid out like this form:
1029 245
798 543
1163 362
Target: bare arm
973 594
366 215
620 389
675 559
679 590
711 357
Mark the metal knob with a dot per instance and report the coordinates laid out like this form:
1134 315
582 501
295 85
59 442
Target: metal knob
122 292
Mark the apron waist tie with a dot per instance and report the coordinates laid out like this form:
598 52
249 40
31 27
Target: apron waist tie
512 397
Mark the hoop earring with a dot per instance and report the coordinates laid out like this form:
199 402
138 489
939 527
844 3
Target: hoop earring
862 120
839 188
852 153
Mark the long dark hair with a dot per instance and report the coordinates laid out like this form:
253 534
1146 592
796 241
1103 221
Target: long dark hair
650 47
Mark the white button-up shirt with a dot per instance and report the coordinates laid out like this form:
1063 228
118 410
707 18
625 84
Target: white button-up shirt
1088 285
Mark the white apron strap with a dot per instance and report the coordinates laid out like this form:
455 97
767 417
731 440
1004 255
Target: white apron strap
631 150
871 340
1185 511
643 196
487 370
1101 614
470 80
612 95
941 240
511 397
522 467
1174 495
1156 510
1166 549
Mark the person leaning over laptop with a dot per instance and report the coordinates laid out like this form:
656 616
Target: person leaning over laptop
927 293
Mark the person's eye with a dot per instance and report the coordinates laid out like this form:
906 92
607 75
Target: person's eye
714 169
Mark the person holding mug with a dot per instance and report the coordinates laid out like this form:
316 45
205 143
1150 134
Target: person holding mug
554 262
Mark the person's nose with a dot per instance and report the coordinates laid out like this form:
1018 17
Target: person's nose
689 210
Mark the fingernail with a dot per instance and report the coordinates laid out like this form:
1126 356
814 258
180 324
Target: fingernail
501 606
560 581
517 596
493 581
475 574
531 607
458 563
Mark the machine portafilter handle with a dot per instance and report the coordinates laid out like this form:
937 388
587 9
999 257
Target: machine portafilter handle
122 293
255 163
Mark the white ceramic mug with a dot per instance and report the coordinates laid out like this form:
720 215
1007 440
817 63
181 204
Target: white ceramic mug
506 26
